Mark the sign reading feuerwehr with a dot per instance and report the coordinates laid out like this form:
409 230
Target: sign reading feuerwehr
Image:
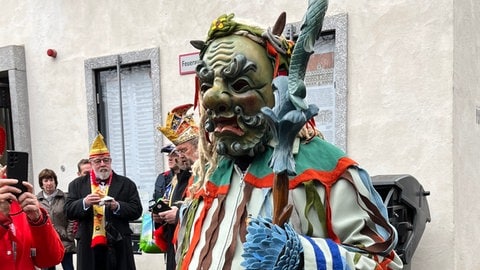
188 62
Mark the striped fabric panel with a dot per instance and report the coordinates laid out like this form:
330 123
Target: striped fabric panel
326 252
320 261
336 256
212 233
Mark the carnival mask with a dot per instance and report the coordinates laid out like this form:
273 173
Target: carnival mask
235 83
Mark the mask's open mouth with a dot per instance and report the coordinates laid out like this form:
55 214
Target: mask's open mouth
225 125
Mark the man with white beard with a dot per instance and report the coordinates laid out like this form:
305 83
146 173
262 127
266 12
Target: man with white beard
103 202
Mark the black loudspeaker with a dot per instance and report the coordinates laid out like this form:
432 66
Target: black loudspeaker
408 210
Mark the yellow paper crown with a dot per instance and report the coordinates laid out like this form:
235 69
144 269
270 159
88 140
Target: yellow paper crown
180 126
98 146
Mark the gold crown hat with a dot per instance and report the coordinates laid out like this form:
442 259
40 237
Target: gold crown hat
98 146
180 127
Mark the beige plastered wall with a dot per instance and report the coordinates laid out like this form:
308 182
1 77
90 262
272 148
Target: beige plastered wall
466 133
412 89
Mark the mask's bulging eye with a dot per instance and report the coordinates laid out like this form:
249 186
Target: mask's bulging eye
204 87
240 86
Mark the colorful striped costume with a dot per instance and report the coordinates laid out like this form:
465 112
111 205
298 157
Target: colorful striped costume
339 217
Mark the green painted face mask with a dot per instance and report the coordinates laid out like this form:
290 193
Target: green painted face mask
238 86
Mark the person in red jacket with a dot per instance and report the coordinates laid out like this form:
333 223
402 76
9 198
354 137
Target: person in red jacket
27 236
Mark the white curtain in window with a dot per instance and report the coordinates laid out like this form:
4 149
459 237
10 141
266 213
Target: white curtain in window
131 139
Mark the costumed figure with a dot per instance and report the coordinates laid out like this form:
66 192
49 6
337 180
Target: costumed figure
182 131
257 138
104 203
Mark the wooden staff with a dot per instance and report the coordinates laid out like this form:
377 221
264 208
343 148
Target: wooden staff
291 112
281 209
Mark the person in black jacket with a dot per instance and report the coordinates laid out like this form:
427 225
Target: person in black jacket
103 202
164 179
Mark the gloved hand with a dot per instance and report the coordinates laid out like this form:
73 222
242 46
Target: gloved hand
269 246
285 122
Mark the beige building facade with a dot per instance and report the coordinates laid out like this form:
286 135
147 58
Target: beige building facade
412 93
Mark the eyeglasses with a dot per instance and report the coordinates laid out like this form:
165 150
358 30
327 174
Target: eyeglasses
180 151
99 160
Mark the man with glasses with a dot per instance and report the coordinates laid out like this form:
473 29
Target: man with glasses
187 153
103 202
182 131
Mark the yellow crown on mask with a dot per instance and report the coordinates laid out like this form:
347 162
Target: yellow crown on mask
180 126
98 146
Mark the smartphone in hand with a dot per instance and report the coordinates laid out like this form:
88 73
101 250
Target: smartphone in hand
17 168
159 207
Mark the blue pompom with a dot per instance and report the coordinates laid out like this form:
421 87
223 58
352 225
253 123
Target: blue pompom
269 246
